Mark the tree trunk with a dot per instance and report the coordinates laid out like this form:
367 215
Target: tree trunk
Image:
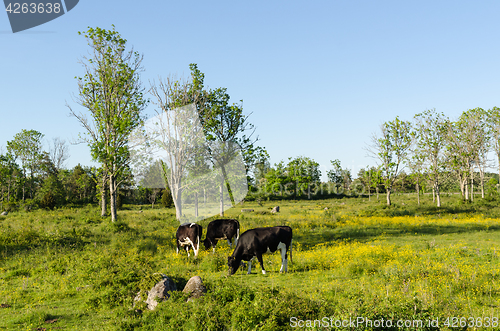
482 182
178 202
433 194
112 197
472 186
24 185
418 194
103 196
103 202
221 212
196 204
389 197
466 189
376 189
438 196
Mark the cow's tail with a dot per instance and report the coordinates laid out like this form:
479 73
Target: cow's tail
237 235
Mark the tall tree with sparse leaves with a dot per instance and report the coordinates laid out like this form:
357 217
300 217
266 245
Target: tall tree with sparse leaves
391 149
111 91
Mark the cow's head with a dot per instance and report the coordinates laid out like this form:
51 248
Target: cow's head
233 265
207 243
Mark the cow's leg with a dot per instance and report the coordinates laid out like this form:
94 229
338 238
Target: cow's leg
198 247
259 257
187 250
229 242
249 267
284 262
213 249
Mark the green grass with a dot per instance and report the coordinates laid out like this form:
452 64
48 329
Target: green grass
357 258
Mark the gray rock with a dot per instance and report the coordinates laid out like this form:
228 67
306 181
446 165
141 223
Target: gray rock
275 210
160 291
326 209
4 213
195 288
246 210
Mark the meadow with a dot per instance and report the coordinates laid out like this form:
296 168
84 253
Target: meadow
70 269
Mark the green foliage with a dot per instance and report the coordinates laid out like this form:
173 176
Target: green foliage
166 198
392 148
48 201
300 176
112 93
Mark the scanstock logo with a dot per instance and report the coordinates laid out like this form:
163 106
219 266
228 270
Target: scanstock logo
26 15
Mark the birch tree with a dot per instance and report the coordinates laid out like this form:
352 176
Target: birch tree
27 147
431 128
112 93
391 148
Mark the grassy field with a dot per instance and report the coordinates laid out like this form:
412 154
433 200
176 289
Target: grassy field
70 269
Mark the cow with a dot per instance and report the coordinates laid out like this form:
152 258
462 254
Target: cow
255 242
220 230
188 235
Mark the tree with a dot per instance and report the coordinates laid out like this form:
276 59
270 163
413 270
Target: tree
226 124
276 178
431 128
59 153
494 122
27 147
339 177
467 147
367 178
9 172
111 91
177 132
303 172
391 149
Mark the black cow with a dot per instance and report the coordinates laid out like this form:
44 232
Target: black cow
189 235
220 230
255 242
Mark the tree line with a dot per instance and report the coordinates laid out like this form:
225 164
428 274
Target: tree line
113 102
432 148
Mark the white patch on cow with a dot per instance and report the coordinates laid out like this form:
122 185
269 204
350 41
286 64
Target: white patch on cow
198 246
190 225
284 262
237 237
263 272
187 242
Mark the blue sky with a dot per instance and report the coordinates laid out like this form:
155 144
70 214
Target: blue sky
319 77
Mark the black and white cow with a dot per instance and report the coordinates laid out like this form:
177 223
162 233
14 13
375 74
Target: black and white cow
255 242
220 230
189 235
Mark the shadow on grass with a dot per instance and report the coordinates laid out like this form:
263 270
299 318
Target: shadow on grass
363 234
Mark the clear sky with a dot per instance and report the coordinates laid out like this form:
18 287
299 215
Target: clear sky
319 77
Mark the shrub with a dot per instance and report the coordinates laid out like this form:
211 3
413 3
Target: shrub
10 206
166 199
48 201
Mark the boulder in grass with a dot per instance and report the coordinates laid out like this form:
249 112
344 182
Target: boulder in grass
195 288
160 291
275 210
4 213
246 210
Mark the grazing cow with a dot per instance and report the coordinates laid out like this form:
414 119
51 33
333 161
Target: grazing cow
188 235
255 242
220 230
